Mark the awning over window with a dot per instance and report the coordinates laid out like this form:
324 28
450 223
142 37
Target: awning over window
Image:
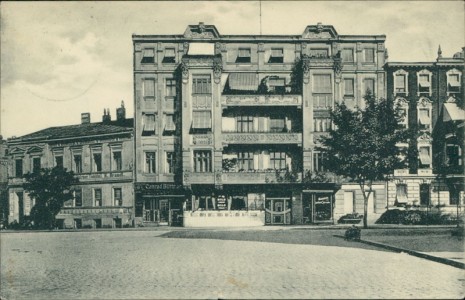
425 84
454 83
243 81
201 49
149 122
201 119
425 158
424 118
401 193
453 113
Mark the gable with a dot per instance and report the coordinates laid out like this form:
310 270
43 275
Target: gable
201 31
319 31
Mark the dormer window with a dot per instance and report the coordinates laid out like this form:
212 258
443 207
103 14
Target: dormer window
170 56
400 82
243 55
453 81
148 56
277 56
424 82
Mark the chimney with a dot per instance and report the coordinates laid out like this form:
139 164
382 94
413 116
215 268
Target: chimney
85 118
121 112
106 118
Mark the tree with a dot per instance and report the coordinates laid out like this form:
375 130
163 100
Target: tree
50 188
362 144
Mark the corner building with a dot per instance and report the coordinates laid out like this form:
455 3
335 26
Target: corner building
226 126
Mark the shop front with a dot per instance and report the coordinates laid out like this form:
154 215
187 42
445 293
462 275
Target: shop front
318 204
159 204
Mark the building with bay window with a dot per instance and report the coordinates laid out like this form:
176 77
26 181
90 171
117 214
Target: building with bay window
227 126
430 95
101 156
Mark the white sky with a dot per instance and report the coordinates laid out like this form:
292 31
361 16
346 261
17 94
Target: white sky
59 59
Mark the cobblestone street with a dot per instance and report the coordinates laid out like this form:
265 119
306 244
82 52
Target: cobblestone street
141 264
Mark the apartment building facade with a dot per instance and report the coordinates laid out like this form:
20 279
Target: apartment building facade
101 156
431 97
227 126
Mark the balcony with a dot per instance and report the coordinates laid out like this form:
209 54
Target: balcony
261 100
107 176
198 178
255 177
262 138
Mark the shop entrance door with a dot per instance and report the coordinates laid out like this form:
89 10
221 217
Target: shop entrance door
164 211
318 207
278 211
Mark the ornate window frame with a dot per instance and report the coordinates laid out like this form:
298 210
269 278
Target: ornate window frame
403 103
430 74
397 73
425 103
453 72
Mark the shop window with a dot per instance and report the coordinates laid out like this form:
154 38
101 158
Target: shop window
238 203
149 89
97 162
348 88
277 56
170 87
77 163
369 55
201 120
148 56
348 55
202 161
149 124
117 161
98 197
36 164
322 53
118 196
245 161
170 56
150 162
170 162
318 162
278 160
18 167
424 154
244 123
243 55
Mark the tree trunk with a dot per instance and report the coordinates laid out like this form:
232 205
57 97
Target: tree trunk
365 203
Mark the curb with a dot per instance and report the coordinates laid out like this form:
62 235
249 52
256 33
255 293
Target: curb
441 260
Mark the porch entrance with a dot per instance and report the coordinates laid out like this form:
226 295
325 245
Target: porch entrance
278 211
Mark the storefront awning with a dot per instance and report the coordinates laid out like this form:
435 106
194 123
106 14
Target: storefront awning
243 81
453 113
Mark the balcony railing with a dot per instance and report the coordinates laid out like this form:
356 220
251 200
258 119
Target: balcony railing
95 210
262 138
256 177
113 175
261 100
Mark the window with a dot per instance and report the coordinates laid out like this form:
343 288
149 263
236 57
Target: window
321 124
403 114
77 197
201 120
322 91
278 160
170 87
148 56
149 89
149 124
97 162
202 161
118 197
169 123
277 85
349 87
453 83
77 166
424 84
117 161
277 124
59 161
243 55
369 85
170 56
18 167
400 82
424 157
453 155
244 124
201 84
35 164
277 56
150 162
98 197
348 55
369 55
245 161
318 161
170 163
424 118
318 53
401 193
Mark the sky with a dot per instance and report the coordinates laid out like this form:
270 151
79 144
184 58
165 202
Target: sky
59 59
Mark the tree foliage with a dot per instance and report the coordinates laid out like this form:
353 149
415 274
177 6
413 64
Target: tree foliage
362 144
50 188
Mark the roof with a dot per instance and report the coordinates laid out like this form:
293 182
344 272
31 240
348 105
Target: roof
78 131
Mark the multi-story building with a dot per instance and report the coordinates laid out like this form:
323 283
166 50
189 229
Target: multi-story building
3 182
101 156
228 126
430 94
